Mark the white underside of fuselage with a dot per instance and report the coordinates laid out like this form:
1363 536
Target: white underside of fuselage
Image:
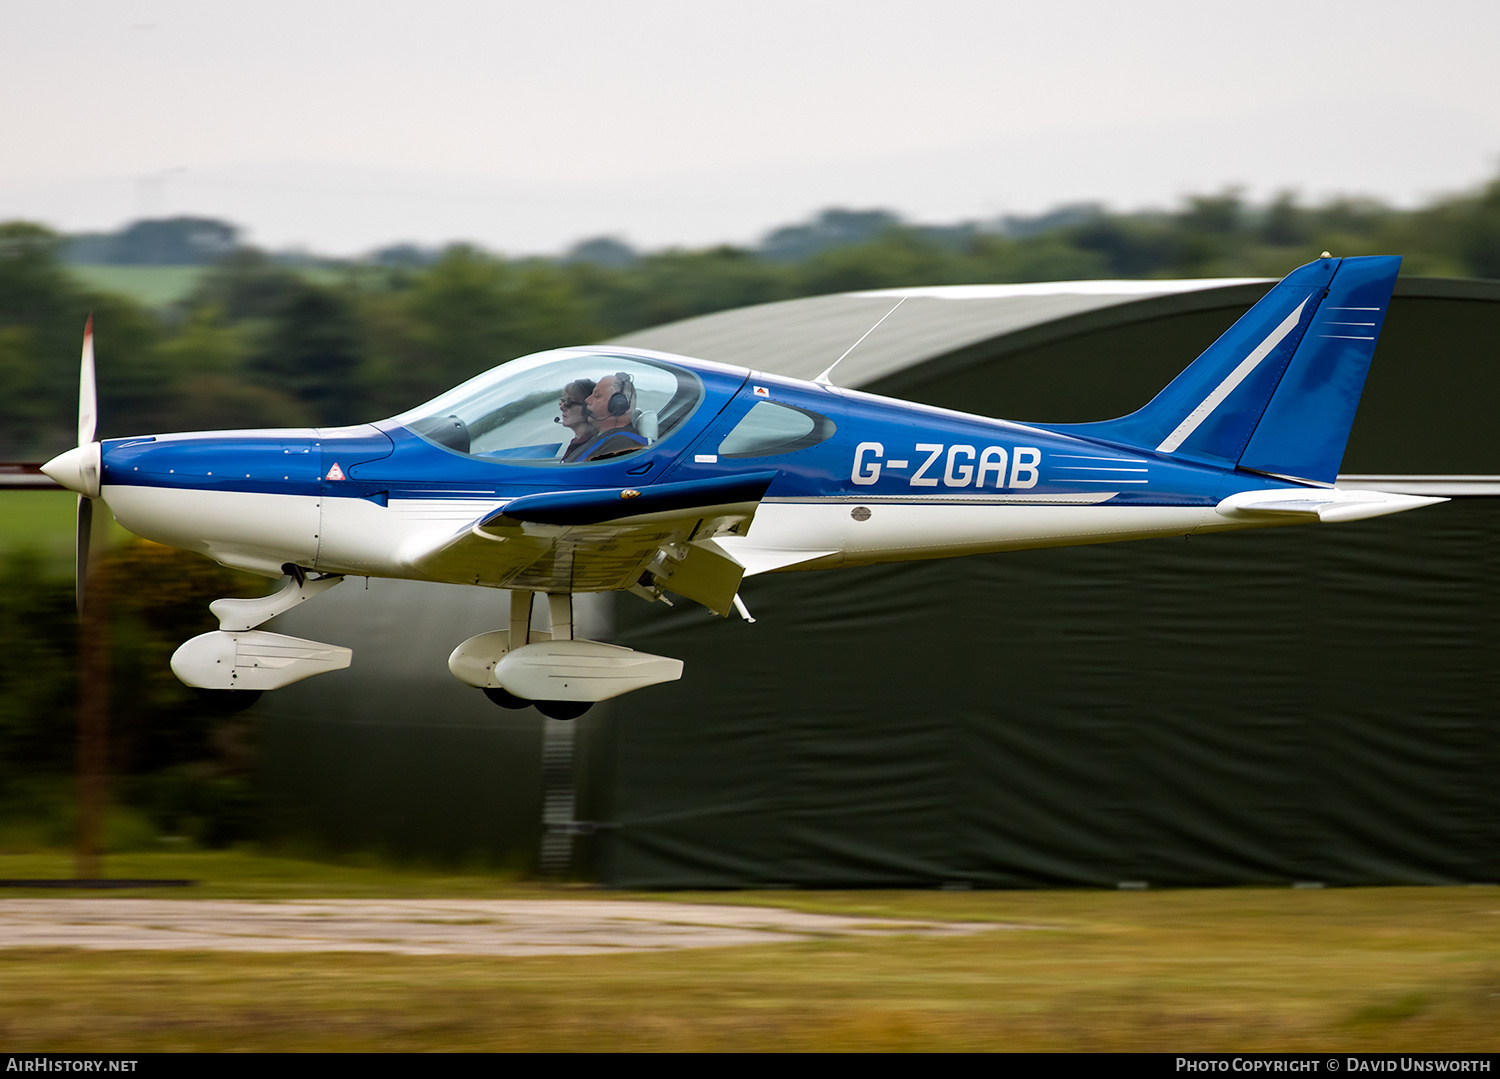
262 532
249 531
868 532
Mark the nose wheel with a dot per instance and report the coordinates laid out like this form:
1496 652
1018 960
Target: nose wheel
227 701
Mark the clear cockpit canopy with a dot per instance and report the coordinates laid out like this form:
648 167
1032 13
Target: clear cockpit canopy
520 411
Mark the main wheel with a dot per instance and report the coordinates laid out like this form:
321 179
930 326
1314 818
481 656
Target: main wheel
505 698
228 701
562 709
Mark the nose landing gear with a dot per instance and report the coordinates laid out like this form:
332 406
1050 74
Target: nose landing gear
231 666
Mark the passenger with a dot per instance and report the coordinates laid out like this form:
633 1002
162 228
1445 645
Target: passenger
574 416
611 409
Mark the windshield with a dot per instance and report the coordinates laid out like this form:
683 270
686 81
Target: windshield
565 407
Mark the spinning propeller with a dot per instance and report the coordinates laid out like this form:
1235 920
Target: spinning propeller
79 469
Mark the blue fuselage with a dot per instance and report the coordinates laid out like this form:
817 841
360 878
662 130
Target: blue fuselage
882 450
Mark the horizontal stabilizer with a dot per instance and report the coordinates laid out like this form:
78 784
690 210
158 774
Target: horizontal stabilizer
1326 504
1462 486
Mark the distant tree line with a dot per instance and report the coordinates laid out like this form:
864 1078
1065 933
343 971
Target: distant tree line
176 241
270 340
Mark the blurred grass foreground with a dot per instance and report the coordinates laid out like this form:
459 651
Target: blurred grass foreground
1336 970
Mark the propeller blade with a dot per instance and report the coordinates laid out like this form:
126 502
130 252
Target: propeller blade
81 551
88 393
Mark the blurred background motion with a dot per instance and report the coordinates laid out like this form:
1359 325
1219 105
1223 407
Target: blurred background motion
288 217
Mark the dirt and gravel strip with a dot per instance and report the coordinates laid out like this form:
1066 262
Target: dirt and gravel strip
429 926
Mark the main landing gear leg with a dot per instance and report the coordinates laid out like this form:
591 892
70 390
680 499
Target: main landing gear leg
520 630
560 606
230 667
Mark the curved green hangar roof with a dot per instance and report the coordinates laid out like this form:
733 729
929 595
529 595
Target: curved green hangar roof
1090 350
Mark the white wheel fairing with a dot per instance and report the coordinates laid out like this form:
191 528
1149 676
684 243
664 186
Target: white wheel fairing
253 660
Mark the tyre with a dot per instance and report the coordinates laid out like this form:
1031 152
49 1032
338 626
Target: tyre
563 709
228 701
505 698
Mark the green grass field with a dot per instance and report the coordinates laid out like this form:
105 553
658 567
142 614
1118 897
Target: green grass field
150 286
43 521
162 286
1330 970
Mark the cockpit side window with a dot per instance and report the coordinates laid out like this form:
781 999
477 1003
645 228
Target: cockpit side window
561 408
772 428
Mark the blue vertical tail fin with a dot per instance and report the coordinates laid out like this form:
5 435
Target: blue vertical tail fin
1277 392
1304 429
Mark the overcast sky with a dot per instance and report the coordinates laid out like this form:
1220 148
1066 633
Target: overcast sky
524 126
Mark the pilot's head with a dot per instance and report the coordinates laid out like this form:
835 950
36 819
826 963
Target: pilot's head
612 404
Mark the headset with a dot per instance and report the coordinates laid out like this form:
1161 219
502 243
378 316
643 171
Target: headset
623 399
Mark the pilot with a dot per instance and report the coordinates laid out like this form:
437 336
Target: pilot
573 414
611 409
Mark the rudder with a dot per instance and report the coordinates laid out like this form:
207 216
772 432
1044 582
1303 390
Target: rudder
1305 427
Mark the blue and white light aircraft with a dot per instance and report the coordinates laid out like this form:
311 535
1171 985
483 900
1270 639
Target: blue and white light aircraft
614 469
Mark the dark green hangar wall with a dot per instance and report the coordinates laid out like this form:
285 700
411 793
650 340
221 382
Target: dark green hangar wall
1283 705
1310 704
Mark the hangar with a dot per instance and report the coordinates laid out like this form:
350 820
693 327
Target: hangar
1303 705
